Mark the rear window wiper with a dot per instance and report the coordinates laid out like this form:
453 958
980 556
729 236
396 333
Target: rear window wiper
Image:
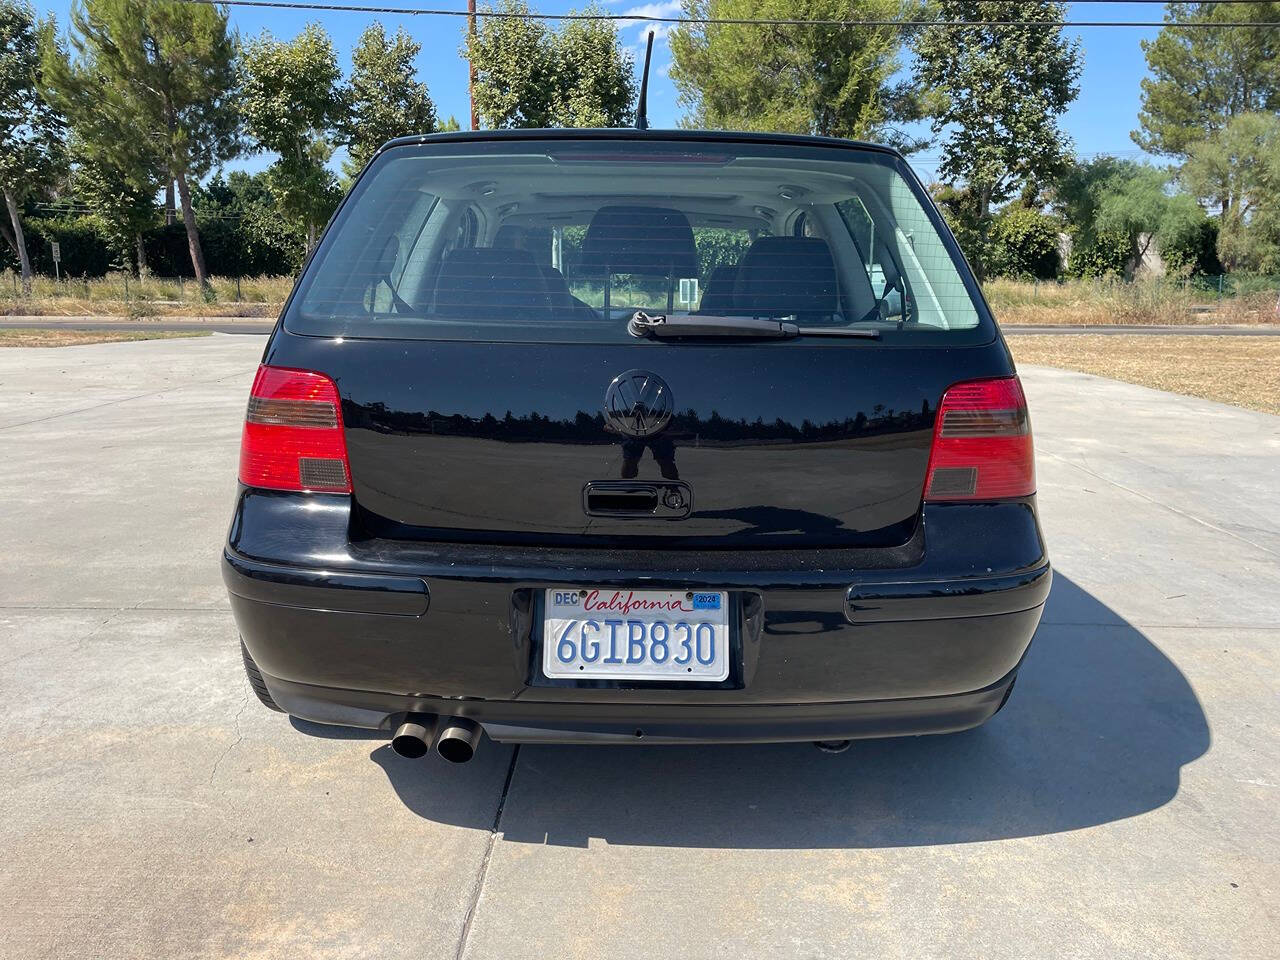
659 327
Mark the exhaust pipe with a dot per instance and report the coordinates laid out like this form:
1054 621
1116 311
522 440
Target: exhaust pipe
413 738
458 739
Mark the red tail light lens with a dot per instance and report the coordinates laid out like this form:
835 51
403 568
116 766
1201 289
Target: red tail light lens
293 436
982 443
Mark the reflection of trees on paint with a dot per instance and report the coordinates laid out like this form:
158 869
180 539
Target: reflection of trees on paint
687 426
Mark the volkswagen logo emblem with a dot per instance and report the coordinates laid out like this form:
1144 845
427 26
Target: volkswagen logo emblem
637 403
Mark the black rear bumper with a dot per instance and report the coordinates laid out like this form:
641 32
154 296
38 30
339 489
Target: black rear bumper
921 638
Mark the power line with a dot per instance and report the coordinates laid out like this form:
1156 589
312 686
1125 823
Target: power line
735 21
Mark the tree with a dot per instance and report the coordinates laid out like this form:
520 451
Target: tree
31 131
386 99
530 75
1002 90
124 200
160 73
1201 78
1118 208
827 80
293 106
1242 161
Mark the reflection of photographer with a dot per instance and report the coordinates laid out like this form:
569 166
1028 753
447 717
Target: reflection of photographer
664 454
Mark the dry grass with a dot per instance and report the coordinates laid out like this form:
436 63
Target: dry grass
1078 302
1244 371
75 338
1072 302
118 294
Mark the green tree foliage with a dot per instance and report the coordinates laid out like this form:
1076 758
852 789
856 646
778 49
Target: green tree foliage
386 100
1002 90
160 72
31 131
1141 205
124 200
959 207
1242 162
1024 244
832 81
293 106
531 75
1105 254
1201 78
1117 209
249 237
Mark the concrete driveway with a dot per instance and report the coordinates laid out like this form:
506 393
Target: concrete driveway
1126 804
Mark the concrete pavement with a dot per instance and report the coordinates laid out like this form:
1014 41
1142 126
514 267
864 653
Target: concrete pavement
1123 805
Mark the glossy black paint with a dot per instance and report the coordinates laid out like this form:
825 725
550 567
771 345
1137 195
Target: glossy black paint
859 610
477 646
781 445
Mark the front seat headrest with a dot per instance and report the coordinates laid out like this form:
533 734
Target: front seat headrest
649 241
781 276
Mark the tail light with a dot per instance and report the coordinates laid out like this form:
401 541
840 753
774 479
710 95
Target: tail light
293 436
981 443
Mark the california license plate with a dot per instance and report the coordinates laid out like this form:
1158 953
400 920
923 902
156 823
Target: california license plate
613 634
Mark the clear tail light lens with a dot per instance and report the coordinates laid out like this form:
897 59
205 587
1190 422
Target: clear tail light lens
293 437
982 443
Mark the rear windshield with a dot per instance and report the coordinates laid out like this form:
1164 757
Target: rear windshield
565 240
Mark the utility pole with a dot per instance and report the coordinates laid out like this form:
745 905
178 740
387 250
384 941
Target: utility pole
471 62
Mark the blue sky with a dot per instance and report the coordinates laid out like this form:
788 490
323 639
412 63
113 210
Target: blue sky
1099 121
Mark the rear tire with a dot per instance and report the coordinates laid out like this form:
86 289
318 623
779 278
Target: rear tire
255 680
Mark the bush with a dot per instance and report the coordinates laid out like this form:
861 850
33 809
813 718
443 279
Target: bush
85 250
1106 255
1191 248
1023 244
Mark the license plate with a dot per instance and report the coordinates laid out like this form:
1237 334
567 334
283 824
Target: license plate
613 634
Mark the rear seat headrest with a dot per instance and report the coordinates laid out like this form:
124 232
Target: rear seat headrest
654 241
779 276
487 281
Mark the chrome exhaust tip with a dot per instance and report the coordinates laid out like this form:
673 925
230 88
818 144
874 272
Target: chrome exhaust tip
458 739
414 737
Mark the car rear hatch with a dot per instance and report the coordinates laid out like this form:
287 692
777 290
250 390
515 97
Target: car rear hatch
471 304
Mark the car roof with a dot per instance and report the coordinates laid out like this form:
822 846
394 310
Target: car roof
630 133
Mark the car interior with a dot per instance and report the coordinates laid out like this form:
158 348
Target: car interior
536 238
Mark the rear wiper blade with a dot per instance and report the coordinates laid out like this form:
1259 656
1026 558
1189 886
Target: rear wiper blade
659 327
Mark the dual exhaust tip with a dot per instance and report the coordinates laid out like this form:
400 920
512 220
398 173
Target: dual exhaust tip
454 738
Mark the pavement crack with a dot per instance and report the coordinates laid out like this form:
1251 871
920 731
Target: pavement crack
244 702
478 887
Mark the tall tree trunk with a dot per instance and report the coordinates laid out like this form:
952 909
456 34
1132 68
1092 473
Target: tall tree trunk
20 241
193 235
142 256
168 203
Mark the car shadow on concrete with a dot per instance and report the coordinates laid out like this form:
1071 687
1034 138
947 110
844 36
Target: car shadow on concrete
1097 730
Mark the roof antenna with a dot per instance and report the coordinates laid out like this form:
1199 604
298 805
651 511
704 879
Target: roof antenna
642 105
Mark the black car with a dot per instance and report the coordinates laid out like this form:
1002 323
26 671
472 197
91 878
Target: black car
636 437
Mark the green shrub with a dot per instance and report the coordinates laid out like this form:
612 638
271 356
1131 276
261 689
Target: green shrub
1023 244
1106 255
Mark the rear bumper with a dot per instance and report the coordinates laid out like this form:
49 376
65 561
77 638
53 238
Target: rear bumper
922 638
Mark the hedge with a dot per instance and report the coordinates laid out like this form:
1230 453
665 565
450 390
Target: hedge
249 247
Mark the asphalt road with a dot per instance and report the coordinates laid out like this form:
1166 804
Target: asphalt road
216 325
1123 805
